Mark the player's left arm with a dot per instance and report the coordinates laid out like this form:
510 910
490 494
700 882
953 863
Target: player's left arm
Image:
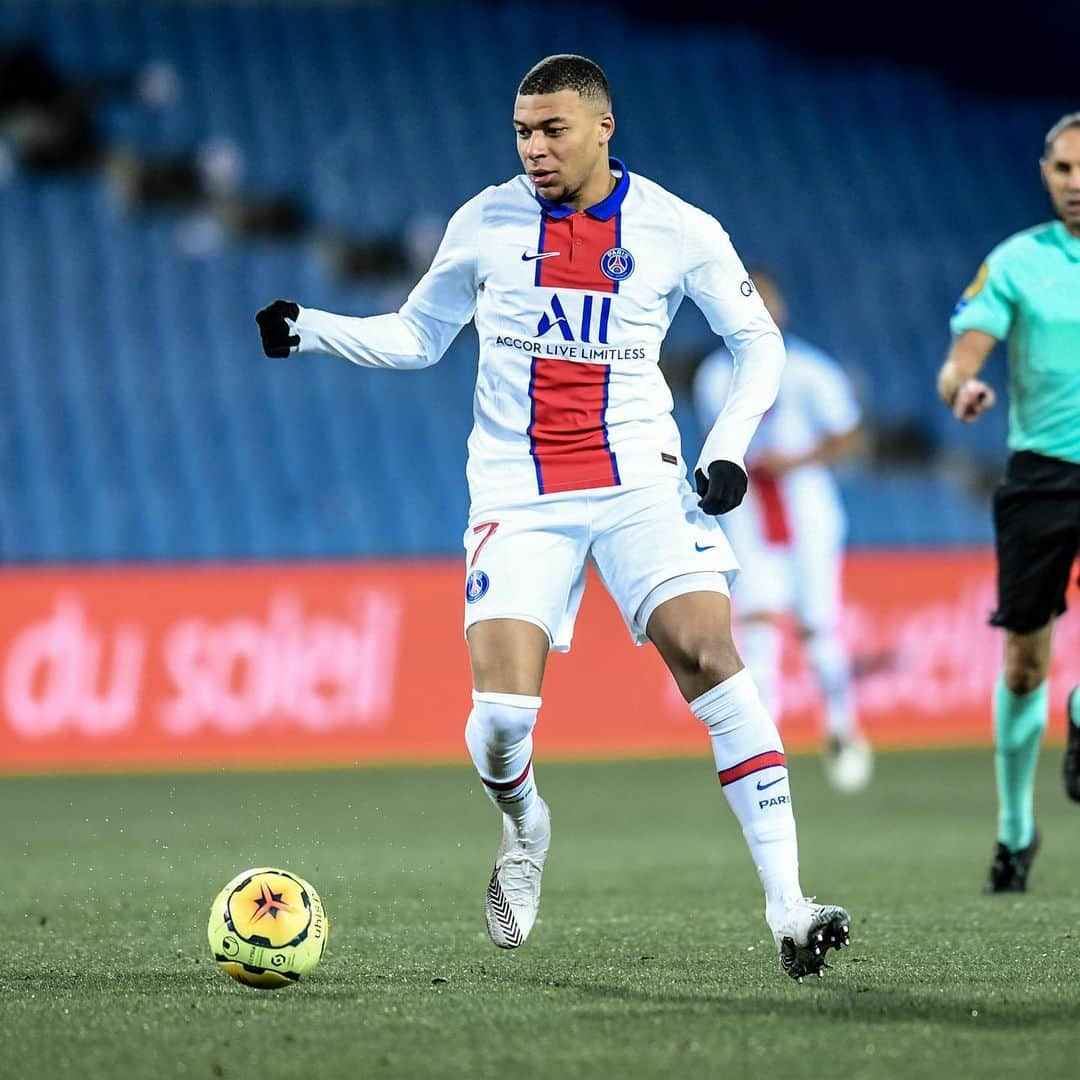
838 446
826 394
829 449
716 280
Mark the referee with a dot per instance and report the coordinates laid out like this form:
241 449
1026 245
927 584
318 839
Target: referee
1027 293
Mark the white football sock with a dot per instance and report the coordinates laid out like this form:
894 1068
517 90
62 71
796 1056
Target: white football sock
760 646
833 669
752 769
499 737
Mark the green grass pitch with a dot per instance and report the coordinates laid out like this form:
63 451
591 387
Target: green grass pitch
651 956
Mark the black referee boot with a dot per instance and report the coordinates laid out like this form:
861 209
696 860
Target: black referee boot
1009 870
1072 748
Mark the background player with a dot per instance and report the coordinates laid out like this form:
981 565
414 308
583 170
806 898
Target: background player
573 272
788 534
1027 293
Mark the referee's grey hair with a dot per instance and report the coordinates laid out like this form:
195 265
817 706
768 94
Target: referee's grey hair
1070 120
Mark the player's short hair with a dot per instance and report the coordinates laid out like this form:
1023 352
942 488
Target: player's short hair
1070 120
568 71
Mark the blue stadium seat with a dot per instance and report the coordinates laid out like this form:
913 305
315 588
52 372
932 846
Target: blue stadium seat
141 420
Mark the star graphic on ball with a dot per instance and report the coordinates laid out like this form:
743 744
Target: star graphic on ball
269 903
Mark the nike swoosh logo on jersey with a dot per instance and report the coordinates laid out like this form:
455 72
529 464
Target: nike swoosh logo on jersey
527 256
704 547
771 783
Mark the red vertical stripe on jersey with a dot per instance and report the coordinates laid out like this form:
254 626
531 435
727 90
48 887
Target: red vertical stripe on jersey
581 242
774 515
568 434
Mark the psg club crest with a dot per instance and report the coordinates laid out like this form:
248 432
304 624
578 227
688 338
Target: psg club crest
617 264
476 586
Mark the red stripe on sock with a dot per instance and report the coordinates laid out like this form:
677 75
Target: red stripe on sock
507 785
752 765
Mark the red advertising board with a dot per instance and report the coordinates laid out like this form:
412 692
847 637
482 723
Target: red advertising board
305 664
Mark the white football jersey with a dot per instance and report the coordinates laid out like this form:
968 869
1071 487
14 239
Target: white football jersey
571 309
815 400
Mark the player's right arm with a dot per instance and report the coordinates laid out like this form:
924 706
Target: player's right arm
416 336
982 318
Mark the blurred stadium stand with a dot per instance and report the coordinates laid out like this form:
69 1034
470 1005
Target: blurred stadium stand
140 420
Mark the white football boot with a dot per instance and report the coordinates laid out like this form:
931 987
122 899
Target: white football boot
513 893
804 932
849 763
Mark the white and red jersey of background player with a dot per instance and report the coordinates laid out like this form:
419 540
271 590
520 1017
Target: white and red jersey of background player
571 309
815 400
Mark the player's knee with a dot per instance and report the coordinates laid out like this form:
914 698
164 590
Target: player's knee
722 662
497 720
713 662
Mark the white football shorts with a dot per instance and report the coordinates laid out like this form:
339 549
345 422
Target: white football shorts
801 576
648 544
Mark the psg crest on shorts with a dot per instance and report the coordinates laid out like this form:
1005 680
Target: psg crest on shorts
475 586
617 264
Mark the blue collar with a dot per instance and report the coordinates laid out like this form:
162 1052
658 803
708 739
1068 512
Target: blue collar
603 210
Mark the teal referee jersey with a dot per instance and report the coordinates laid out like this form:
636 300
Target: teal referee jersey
1027 293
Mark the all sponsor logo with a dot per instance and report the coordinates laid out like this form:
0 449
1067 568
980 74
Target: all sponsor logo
593 323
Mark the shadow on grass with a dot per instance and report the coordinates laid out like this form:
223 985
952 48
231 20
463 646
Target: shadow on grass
68 983
863 1005
578 996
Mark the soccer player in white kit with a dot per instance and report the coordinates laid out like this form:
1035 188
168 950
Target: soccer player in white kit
573 272
789 532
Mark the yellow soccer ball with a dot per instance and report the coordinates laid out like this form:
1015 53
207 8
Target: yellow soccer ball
267 928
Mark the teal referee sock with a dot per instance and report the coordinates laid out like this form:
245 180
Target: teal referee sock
1019 722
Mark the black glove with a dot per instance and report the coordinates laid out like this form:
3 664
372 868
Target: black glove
724 488
276 339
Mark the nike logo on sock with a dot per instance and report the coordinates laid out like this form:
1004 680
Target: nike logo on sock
527 256
704 547
771 783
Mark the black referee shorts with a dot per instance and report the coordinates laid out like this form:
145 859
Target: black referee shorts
1037 529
